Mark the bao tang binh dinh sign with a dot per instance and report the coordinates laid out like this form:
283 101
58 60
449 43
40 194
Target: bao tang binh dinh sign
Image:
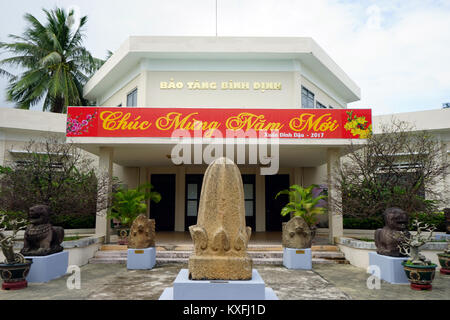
163 122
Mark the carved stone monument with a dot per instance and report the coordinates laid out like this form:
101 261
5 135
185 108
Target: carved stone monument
220 244
142 233
41 238
220 235
297 234
387 239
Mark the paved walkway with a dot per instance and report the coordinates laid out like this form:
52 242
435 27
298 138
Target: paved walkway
113 281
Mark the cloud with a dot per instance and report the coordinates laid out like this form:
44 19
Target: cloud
396 51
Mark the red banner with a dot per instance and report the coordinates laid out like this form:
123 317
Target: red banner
162 122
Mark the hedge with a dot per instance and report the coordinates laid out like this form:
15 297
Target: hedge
372 223
73 221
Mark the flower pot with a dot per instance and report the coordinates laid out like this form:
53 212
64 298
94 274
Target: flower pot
420 276
123 236
444 261
14 275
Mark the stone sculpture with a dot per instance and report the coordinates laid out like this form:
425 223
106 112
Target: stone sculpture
41 238
388 238
220 235
142 233
297 234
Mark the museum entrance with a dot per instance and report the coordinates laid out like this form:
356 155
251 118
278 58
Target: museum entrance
275 184
164 211
193 190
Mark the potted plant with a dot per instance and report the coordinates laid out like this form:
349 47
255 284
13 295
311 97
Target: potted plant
15 268
128 204
304 208
419 270
444 259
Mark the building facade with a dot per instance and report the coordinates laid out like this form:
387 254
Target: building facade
211 74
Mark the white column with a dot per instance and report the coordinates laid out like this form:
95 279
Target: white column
335 221
298 176
105 166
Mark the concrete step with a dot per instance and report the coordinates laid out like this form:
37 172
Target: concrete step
251 247
253 254
258 257
256 261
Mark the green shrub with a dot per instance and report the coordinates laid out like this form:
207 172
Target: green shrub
73 221
434 218
370 223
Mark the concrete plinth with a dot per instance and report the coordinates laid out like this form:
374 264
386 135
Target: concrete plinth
185 289
46 268
391 269
141 258
297 258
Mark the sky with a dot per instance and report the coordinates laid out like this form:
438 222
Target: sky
397 51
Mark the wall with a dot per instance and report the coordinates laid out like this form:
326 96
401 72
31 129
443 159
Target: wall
120 97
185 97
357 252
80 251
321 95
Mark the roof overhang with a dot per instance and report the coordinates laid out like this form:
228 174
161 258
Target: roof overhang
302 49
141 152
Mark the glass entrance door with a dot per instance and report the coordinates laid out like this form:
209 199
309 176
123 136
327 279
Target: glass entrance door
164 211
275 184
193 190
250 199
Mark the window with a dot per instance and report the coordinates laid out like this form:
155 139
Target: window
307 98
132 98
319 105
249 199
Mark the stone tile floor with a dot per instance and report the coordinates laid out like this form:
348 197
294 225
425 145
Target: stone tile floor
114 281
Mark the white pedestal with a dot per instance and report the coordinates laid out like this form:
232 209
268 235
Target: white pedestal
141 258
46 268
391 269
297 258
185 289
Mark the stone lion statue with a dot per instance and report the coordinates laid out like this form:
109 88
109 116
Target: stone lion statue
297 234
387 239
142 233
41 238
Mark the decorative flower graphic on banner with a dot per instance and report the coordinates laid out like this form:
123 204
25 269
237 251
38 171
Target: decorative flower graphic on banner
358 126
78 126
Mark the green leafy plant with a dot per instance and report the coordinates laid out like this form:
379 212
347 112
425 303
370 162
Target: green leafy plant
128 204
302 203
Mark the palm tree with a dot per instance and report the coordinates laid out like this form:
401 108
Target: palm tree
55 63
